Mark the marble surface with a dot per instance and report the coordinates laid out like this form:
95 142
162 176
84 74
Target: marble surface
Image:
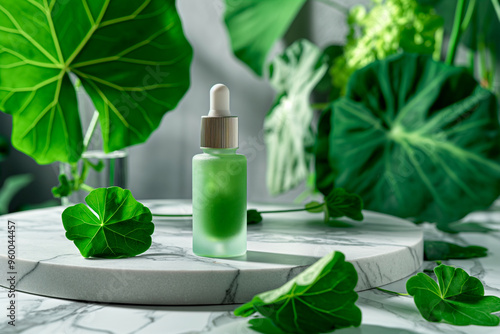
382 248
382 313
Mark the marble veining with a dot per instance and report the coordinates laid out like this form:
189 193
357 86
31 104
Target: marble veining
382 313
382 248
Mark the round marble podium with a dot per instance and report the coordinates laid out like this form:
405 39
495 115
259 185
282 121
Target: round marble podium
382 248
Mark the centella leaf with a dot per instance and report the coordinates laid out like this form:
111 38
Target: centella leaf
253 217
131 57
458 299
320 299
340 203
118 226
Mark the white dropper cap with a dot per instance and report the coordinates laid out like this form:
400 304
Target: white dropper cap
219 101
219 129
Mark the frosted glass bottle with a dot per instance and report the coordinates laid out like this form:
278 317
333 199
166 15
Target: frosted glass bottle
219 184
219 203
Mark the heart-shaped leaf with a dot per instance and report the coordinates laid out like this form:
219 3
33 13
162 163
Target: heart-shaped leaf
414 138
254 26
458 299
131 57
119 226
340 203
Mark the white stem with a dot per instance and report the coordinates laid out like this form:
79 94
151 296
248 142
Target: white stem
90 130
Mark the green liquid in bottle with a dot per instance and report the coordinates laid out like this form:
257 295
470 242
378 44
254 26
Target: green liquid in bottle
219 203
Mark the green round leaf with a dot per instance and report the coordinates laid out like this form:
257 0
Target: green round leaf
458 299
414 138
253 216
340 203
119 226
131 56
320 299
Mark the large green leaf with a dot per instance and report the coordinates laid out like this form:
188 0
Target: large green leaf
119 226
131 56
458 299
294 74
255 25
318 300
414 138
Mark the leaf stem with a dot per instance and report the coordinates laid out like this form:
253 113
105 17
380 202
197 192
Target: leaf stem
90 130
271 211
468 15
471 55
483 63
293 210
455 33
393 292
86 187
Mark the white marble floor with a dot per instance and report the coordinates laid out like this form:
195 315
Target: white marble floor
382 313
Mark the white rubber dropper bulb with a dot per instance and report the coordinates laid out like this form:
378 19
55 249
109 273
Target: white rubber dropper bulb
219 101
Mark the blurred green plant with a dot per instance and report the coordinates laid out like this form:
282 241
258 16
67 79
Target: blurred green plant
415 138
287 126
368 142
476 22
13 184
389 27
